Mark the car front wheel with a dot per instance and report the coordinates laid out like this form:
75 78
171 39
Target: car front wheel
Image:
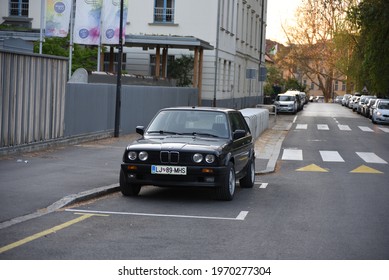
227 190
126 188
248 180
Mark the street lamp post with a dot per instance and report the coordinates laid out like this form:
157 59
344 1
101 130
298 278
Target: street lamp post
119 74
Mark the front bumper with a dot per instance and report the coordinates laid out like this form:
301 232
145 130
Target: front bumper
196 176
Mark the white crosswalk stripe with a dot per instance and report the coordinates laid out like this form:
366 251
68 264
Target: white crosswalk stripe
292 154
322 127
384 129
331 156
302 126
371 158
344 127
366 128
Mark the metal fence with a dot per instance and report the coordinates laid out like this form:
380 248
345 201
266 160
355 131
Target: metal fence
32 97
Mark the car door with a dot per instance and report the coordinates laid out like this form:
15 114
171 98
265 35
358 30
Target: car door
241 147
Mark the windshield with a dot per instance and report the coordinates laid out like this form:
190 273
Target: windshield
190 122
285 98
384 106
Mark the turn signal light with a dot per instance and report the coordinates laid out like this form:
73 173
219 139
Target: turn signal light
207 170
132 167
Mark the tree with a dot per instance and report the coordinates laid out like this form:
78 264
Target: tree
371 58
83 56
181 70
312 47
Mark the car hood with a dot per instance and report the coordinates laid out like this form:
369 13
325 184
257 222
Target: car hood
285 102
179 143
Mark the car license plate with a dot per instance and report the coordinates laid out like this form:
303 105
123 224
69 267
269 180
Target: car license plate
168 170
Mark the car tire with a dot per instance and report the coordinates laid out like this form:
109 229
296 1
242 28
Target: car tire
227 190
373 120
126 188
248 180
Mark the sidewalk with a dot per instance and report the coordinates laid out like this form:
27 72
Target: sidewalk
53 178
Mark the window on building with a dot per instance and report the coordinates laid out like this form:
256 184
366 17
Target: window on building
164 11
18 8
312 86
153 57
343 86
336 87
113 64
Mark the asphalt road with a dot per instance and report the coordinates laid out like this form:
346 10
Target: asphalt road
328 199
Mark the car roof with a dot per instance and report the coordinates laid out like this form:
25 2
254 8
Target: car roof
199 108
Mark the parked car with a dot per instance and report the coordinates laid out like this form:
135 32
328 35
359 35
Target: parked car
287 102
381 113
311 98
338 99
351 101
191 147
345 98
355 103
366 107
373 107
303 97
362 102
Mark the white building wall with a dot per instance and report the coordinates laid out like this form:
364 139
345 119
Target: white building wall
237 37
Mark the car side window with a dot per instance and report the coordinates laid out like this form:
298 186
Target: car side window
237 122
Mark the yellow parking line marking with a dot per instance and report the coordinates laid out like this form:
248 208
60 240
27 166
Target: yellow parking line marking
46 232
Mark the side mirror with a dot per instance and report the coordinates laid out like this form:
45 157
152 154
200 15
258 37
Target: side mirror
140 130
239 133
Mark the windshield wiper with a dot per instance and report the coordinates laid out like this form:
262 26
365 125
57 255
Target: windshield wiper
202 134
164 132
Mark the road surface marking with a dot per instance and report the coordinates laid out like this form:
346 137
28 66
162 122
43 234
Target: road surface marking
292 154
371 158
366 128
263 185
331 156
239 217
344 127
322 127
384 129
301 126
295 119
366 169
46 232
312 168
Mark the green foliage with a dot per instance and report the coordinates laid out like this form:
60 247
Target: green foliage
293 84
371 57
181 70
83 56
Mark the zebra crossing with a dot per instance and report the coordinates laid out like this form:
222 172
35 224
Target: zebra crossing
341 127
331 156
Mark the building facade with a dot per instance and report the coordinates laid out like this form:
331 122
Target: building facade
231 72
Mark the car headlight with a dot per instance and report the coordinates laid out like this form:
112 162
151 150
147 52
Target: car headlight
379 113
209 158
143 156
132 155
197 158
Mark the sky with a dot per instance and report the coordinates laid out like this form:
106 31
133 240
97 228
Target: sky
279 12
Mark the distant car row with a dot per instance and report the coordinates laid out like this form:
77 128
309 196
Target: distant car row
376 109
291 101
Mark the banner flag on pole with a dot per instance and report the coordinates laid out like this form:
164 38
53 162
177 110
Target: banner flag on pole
87 22
111 21
57 17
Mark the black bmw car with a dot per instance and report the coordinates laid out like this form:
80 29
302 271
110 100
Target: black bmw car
191 146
